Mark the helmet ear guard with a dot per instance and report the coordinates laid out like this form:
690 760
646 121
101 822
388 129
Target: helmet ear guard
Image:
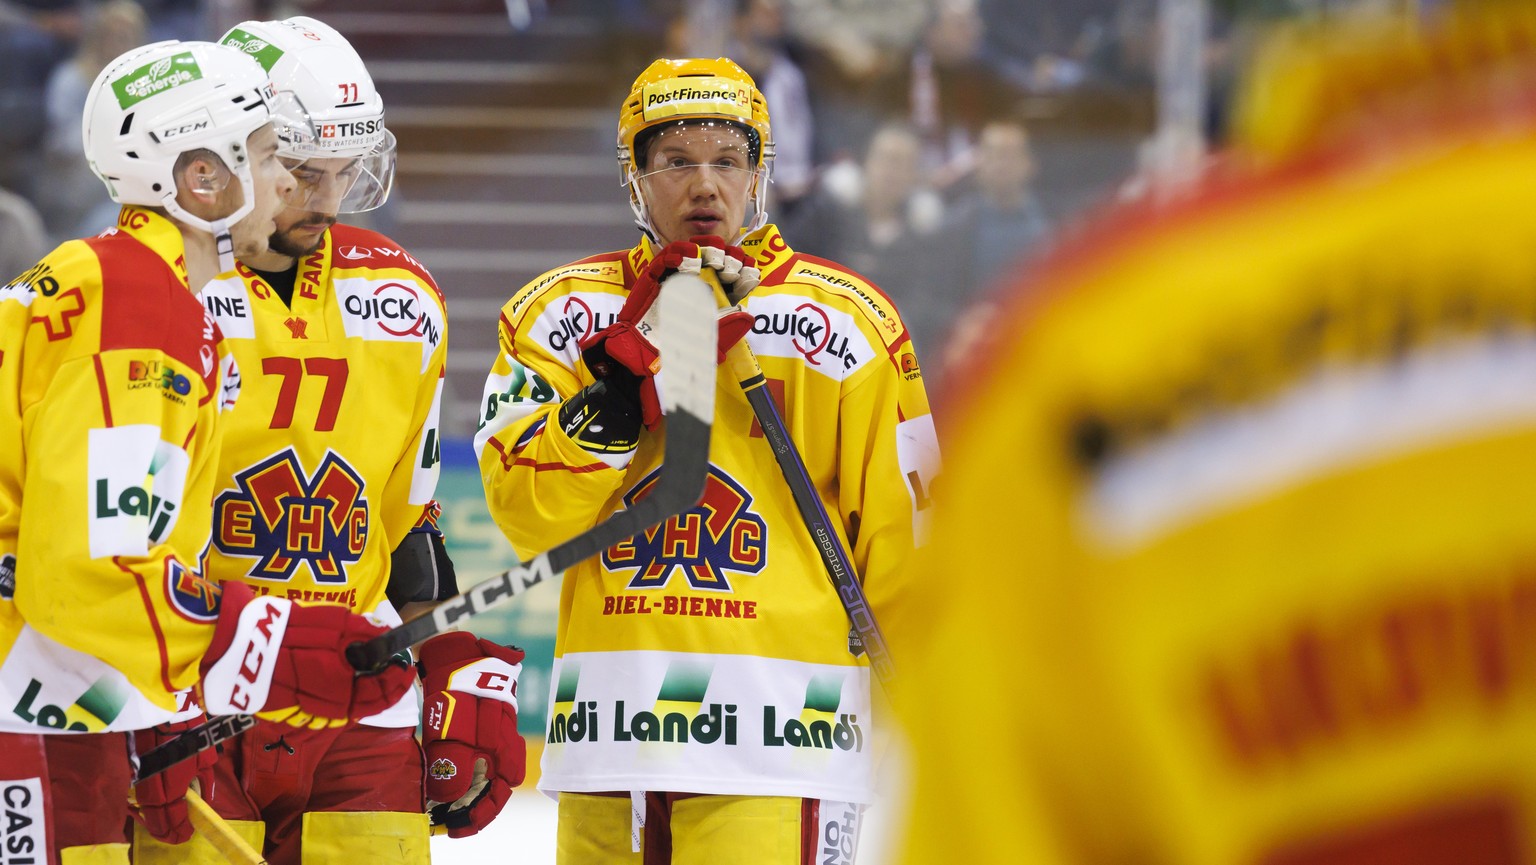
699 89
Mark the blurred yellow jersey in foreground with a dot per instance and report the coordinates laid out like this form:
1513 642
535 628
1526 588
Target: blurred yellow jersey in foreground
1236 557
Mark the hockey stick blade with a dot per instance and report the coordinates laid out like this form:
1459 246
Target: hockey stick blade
685 336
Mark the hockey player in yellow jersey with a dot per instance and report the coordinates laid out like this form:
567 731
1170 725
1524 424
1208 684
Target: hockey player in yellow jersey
111 390
1242 497
329 460
705 704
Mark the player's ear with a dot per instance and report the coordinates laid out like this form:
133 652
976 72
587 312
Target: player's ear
203 184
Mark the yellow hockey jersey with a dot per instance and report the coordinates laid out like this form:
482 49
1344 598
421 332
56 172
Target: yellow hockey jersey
109 392
332 450
1242 496
711 654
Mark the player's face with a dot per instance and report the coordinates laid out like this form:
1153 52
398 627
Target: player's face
273 186
696 179
323 183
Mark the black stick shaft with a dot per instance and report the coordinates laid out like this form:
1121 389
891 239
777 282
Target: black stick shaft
745 368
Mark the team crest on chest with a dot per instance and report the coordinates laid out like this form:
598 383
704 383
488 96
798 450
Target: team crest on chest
722 535
281 516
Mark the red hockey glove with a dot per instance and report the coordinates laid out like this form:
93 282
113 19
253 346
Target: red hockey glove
162 798
288 662
623 344
474 753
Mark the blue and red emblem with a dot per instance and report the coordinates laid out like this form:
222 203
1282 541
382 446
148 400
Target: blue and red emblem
722 535
283 517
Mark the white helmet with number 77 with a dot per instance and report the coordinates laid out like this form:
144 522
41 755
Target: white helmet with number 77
317 63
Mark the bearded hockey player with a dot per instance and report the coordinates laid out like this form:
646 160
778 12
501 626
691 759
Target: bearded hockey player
329 461
110 393
706 706
1269 461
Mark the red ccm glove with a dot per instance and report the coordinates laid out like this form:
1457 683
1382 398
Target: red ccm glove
162 798
288 663
474 753
624 343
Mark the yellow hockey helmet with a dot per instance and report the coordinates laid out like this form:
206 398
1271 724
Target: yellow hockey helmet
672 91
696 90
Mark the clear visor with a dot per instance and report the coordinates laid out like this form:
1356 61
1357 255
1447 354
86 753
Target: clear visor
716 149
291 121
342 184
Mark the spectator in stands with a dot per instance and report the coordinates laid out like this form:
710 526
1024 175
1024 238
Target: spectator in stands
995 224
1040 45
879 218
952 91
857 51
35 36
22 242
74 193
761 48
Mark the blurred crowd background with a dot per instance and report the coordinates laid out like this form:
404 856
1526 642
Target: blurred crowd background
926 143
929 144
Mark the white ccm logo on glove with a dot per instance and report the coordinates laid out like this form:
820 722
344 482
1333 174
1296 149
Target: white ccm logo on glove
488 677
239 681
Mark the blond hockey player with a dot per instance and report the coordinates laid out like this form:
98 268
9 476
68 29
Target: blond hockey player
705 703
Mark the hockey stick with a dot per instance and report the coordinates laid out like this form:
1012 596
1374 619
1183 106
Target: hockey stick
218 833
188 744
685 336
745 368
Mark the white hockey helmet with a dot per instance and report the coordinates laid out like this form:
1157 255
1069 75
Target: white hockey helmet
311 59
156 102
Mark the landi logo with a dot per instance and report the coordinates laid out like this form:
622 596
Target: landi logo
135 488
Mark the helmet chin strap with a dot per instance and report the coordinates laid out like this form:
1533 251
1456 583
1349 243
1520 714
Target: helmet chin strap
224 242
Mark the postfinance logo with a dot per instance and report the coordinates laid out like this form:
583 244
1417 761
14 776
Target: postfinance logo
696 96
282 516
721 536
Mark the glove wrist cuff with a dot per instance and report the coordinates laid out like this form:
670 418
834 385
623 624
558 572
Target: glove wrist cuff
239 679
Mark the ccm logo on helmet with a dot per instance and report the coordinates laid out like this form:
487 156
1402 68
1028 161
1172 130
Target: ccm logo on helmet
184 129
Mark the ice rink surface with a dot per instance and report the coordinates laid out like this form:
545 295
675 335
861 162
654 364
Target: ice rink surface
524 834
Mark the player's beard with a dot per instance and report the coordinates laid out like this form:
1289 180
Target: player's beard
287 242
